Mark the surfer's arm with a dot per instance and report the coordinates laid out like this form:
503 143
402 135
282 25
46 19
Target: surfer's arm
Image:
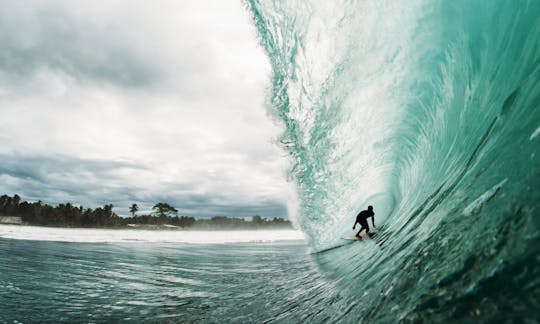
373 220
354 226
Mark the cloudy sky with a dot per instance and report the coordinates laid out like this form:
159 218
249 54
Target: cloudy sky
125 101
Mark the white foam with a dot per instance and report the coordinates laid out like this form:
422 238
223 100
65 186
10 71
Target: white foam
535 134
478 202
163 236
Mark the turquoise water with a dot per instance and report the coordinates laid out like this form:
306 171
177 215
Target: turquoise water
430 112
43 281
427 110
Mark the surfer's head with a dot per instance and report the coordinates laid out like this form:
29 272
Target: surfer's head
370 208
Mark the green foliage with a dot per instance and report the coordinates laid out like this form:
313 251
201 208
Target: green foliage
257 222
37 213
133 209
164 210
68 215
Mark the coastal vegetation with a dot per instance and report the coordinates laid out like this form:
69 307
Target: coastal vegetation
163 214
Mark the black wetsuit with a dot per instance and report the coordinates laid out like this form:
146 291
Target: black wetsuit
362 218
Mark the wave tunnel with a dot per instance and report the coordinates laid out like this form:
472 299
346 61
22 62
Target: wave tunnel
430 112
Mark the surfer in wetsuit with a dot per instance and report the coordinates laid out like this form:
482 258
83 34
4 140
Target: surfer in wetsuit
362 218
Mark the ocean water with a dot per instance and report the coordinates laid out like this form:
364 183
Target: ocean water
427 110
68 275
430 112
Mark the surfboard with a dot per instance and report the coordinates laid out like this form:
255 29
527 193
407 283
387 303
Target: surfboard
356 238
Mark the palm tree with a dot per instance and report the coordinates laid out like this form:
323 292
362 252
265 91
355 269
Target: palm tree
163 210
133 209
16 200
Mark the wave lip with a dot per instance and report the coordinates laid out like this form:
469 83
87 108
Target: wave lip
83 235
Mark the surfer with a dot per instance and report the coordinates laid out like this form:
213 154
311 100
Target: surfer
362 218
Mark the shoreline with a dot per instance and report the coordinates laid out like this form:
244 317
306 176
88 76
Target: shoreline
165 227
131 235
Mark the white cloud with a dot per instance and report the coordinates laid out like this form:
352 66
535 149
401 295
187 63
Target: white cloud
176 89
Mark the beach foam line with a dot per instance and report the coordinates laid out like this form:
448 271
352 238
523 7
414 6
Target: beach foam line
91 235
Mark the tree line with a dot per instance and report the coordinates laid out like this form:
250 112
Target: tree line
69 215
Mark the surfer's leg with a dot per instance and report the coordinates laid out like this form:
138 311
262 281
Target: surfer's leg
360 231
364 226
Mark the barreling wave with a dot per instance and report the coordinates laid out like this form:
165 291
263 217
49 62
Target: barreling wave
429 111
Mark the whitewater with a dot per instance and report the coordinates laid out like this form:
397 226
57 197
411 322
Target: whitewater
427 110
96 235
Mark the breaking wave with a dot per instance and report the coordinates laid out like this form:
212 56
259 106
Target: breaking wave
429 111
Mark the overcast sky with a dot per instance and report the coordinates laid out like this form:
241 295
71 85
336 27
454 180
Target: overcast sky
125 101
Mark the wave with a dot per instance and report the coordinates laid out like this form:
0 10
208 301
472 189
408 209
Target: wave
429 111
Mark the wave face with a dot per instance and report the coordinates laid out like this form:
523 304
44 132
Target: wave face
429 111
